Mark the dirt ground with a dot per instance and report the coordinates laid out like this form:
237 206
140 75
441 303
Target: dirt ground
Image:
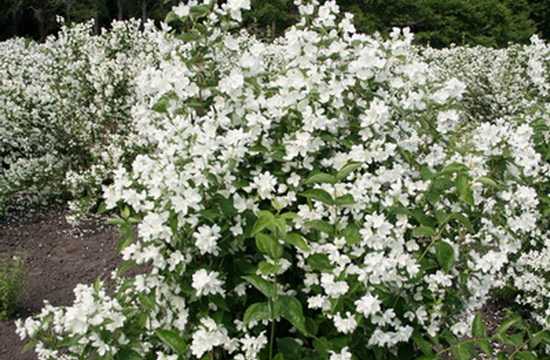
57 257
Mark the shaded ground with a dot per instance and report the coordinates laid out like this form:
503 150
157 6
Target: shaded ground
57 257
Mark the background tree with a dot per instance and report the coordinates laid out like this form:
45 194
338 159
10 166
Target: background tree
435 22
442 22
540 13
270 18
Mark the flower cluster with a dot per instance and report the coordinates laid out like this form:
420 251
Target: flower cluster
329 195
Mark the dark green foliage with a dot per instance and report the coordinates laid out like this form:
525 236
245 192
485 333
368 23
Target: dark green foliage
442 22
270 18
435 22
540 13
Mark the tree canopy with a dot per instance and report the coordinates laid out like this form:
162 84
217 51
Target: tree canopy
435 22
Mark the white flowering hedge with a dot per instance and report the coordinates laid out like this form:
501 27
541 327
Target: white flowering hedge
330 195
65 110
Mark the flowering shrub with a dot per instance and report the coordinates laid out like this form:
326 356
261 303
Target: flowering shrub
330 195
501 83
65 109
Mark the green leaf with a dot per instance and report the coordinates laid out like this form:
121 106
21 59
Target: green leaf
408 157
265 219
198 11
461 351
438 187
297 240
125 266
344 200
485 345
288 216
319 262
125 213
322 226
347 169
161 106
352 234
268 245
542 336
116 221
464 189
279 356
102 208
29 345
292 311
127 354
257 312
173 340
312 326
124 241
322 345
525 355
507 324
426 173
227 207
423 231
424 345
289 347
488 182
420 216
478 327
445 255
453 168
280 226
171 17
268 268
264 286
514 340
210 214
319 195
480 331
460 218
147 301
320 178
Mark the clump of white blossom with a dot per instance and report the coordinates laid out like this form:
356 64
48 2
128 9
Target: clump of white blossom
65 110
330 194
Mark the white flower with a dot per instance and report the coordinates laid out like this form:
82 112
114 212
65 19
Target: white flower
207 283
447 121
251 346
344 354
368 305
206 239
182 10
163 356
345 325
153 226
453 89
333 288
207 337
235 7
265 184
231 83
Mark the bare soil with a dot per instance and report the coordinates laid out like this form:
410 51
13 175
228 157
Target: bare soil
57 257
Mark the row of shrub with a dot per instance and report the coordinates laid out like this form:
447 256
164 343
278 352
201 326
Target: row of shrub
328 195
